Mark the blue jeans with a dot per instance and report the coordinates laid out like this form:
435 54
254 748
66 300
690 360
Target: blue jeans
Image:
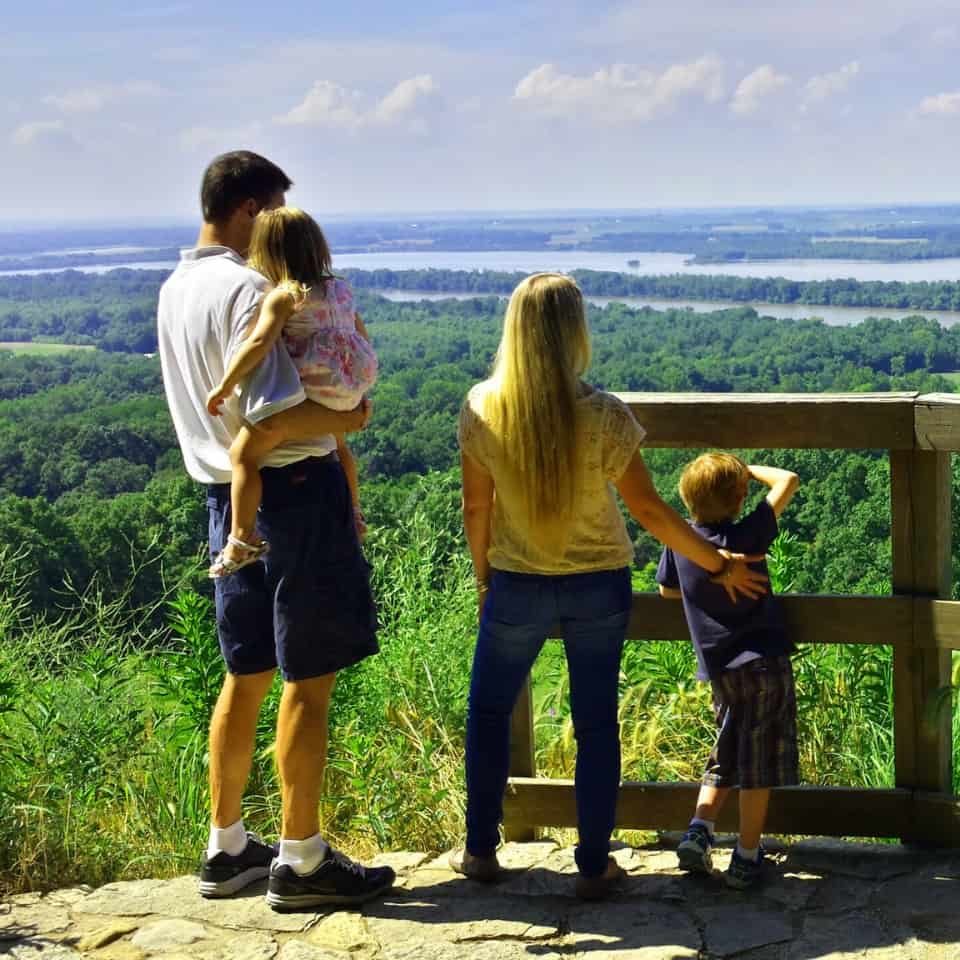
592 610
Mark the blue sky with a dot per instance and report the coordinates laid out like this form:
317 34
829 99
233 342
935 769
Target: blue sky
110 110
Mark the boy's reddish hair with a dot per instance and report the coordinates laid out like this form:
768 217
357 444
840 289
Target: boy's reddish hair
713 487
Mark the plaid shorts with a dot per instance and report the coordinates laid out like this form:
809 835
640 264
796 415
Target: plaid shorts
756 711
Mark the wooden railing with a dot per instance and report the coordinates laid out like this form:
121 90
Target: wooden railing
917 620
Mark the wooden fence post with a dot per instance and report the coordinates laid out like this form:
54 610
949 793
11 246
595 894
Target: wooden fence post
523 762
920 541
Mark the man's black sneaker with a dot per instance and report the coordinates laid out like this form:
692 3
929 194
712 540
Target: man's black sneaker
223 875
338 880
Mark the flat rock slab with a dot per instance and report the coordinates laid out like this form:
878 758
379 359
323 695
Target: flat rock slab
107 934
618 931
162 936
927 893
855 935
179 898
32 916
491 918
869 861
41 950
299 950
440 950
737 928
522 856
822 900
402 862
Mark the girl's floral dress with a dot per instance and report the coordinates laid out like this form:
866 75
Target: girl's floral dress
337 365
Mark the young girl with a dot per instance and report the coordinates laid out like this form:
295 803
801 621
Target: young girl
313 312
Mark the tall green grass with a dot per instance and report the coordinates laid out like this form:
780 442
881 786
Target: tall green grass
103 754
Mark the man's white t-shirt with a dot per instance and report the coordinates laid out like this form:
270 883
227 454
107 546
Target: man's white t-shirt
205 307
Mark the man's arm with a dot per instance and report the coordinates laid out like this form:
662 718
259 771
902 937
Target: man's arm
783 485
274 313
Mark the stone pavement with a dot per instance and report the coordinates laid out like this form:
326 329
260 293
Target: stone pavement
822 899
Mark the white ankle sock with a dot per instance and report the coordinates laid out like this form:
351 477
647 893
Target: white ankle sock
746 854
699 821
231 840
304 856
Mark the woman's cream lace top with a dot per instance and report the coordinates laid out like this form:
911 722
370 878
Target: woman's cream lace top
598 537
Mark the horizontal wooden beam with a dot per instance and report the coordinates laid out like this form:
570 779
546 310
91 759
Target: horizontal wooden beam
936 623
937 421
810 619
822 811
853 421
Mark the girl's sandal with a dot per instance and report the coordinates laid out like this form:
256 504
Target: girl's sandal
223 565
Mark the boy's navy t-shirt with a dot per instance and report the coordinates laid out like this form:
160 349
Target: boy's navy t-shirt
727 635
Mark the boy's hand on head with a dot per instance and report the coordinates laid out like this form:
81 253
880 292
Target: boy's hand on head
738 579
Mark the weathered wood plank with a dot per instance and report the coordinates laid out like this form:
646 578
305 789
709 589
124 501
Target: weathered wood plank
921 541
937 421
776 421
811 619
824 811
936 623
523 761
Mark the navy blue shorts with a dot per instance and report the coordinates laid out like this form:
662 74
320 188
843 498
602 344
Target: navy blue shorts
307 607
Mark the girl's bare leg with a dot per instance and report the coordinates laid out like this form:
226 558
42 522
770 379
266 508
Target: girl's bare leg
252 445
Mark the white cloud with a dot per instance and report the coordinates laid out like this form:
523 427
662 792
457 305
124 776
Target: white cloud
826 85
943 104
621 91
756 87
43 133
404 97
329 103
94 99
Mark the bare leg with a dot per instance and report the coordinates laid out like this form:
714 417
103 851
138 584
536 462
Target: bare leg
302 753
753 816
253 443
233 728
710 802
246 487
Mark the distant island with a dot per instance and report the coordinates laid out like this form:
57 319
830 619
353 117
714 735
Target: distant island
706 236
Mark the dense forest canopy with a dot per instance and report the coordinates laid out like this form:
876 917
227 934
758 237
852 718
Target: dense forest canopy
91 482
116 311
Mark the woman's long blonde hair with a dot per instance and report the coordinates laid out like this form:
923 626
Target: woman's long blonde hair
288 247
531 406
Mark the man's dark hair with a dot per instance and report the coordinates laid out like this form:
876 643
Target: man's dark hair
233 178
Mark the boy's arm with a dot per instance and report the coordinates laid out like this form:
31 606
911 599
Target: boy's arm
274 313
783 485
671 593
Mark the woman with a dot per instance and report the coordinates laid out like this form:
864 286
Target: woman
541 453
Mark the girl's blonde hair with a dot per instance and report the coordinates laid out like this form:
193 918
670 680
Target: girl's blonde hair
288 247
531 406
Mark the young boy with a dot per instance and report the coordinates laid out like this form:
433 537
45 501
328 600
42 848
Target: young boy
743 650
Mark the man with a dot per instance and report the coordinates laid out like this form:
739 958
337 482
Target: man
307 608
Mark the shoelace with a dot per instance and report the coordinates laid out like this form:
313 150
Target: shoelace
351 866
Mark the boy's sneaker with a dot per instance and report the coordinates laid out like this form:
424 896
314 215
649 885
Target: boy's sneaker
338 880
224 875
742 873
693 851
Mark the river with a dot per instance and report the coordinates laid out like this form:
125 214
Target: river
650 264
